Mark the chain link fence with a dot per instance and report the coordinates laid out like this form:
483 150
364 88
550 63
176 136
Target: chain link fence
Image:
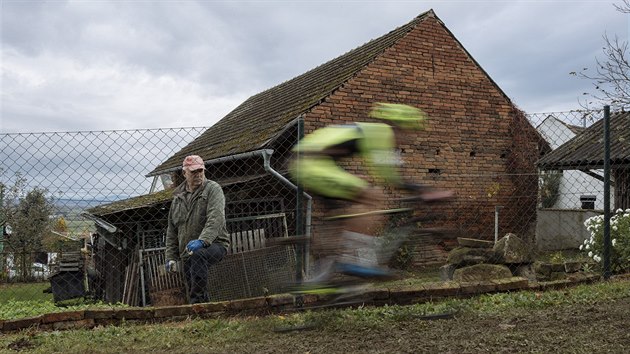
568 189
49 181
84 214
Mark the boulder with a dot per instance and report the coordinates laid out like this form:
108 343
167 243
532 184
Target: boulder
572 266
543 269
474 243
482 272
463 256
525 271
512 250
446 272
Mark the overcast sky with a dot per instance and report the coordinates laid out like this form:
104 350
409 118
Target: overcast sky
109 65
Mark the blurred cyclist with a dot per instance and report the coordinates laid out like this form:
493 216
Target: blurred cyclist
316 169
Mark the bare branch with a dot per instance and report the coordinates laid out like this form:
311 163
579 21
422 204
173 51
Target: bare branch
611 79
625 8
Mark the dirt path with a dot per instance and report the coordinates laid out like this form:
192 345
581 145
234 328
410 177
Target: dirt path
601 327
566 329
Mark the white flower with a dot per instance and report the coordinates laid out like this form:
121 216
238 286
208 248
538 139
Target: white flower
588 247
597 258
581 247
590 254
614 241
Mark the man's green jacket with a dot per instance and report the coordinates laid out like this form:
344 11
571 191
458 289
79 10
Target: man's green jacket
197 215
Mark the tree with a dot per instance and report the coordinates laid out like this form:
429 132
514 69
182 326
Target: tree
28 215
7 194
611 79
60 225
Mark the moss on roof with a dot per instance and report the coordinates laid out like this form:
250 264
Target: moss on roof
586 150
263 116
133 203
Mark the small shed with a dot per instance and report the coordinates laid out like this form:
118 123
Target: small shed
585 152
563 190
129 247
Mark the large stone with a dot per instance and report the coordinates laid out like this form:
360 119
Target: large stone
474 243
464 256
482 272
572 266
446 272
512 250
525 271
542 269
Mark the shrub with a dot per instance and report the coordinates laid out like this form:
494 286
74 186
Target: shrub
619 236
550 188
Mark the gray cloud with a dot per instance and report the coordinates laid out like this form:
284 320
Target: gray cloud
69 66
89 165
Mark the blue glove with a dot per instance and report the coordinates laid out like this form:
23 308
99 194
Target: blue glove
171 266
194 245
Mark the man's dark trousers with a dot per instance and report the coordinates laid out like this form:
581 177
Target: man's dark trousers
196 270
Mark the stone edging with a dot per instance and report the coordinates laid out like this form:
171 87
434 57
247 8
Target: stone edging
278 303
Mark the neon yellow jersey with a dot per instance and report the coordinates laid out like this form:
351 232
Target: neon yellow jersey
377 147
327 137
374 141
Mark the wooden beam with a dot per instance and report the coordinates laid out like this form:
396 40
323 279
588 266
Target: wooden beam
596 176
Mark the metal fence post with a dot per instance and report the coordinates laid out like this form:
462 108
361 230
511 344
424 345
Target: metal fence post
606 192
301 254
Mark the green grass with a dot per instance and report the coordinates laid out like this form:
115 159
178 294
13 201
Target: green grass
418 277
498 303
193 334
562 256
77 227
21 300
24 292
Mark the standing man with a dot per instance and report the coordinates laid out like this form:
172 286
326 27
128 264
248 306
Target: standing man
196 236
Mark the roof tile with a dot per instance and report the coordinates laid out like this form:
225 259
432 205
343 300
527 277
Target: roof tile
263 116
586 150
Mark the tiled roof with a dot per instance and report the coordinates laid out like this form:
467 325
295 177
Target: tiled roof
142 201
576 129
586 150
262 117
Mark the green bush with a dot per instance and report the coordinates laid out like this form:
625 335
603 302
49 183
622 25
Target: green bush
619 236
550 188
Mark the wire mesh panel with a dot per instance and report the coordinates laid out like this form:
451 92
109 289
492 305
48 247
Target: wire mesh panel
566 188
48 183
253 273
573 183
249 269
538 177
162 287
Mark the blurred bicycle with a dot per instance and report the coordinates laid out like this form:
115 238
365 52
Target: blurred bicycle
348 246
347 261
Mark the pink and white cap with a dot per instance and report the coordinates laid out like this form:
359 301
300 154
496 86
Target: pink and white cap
193 163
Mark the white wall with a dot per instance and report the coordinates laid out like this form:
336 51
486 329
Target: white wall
561 229
573 183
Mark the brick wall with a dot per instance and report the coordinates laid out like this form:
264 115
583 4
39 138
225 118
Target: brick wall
470 142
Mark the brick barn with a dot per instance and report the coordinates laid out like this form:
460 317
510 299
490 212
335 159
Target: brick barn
477 143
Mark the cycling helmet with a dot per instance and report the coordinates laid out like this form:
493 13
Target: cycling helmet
402 115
